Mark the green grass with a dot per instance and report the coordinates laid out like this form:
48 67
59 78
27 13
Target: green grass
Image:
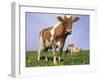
80 58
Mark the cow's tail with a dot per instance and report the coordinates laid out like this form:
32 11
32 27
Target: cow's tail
40 45
40 40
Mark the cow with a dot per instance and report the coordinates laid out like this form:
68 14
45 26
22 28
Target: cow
72 49
54 37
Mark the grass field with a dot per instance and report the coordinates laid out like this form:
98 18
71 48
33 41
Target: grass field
80 58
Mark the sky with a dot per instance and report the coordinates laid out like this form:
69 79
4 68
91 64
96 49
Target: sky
35 22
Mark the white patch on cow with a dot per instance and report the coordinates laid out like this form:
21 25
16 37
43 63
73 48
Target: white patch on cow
51 38
58 44
47 43
68 16
52 31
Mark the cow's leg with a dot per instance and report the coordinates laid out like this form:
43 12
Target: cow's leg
72 51
61 49
39 51
46 54
54 58
54 51
60 53
42 49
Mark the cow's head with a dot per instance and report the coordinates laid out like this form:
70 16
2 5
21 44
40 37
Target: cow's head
67 22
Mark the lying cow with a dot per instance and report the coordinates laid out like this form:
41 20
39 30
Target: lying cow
72 49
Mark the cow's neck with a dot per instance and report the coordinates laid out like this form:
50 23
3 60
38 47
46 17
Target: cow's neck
58 29
64 37
58 32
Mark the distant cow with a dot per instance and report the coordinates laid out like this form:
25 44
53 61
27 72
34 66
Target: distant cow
72 49
55 36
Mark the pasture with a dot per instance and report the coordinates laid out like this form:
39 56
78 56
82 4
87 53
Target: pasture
81 58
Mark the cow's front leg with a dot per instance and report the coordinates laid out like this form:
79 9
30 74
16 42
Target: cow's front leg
60 53
61 49
54 59
54 52
46 56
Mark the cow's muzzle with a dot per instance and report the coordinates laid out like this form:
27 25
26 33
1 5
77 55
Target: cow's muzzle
68 32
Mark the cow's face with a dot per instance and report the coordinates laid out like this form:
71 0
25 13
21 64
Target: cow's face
68 21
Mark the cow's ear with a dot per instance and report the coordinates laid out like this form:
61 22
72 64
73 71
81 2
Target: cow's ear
59 18
75 19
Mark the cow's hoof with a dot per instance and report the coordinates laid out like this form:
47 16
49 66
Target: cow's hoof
46 59
38 59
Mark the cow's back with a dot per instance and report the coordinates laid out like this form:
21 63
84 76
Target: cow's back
45 34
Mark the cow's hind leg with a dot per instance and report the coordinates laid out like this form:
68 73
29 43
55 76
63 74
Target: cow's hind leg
39 51
42 51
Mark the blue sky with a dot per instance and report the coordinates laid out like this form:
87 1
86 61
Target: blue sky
35 22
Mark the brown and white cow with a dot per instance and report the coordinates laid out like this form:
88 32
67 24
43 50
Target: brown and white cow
54 37
72 49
